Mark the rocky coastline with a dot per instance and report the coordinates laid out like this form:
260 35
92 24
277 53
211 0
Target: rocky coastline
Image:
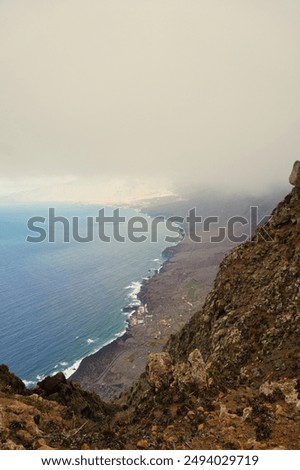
166 302
99 363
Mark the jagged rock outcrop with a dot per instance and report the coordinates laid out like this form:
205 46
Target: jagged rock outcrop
190 375
56 414
295 175
72 396
161 373
10 383
159 370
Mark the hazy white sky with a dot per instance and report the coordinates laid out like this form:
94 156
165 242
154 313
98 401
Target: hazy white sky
173 91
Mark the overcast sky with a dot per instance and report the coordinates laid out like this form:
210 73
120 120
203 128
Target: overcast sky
176 92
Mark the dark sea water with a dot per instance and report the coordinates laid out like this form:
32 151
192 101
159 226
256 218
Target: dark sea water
60 302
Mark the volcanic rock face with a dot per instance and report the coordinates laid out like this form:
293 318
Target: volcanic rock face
249 328
248 334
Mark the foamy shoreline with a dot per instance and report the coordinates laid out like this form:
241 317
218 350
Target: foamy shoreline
97 363
136 289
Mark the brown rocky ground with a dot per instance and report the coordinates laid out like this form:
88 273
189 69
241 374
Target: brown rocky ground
243 418
57 414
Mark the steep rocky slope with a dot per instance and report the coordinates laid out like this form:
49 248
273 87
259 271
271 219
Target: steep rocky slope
249 328
229 380
231 377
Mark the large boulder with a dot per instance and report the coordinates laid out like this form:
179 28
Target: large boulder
159 370
295 175
161 373
191 374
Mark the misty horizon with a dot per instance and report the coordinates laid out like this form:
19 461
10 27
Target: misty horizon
125 101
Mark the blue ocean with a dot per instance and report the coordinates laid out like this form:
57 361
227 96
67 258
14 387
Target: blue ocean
60 302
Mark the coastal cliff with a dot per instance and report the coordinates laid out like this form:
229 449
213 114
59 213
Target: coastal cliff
229 379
